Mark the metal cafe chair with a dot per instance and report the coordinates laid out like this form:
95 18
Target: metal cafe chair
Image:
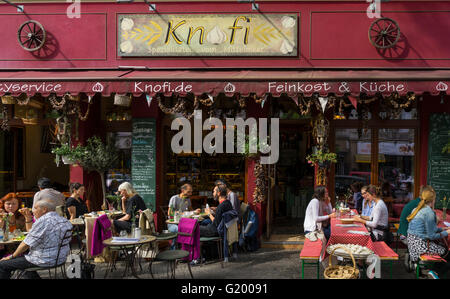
65 241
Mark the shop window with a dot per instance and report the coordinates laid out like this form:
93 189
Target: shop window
121 171
396 171
11 158
354 159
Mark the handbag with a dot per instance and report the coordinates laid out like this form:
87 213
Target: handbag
87 270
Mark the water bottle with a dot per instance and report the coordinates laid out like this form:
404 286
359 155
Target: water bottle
137 233
1 235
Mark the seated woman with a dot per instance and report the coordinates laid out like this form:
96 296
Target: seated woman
210 230
423 233
377 223
315 213
75 205
132 203
21 219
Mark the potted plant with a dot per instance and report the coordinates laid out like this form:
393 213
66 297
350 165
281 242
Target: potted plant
68 154
321 157
99 157
114 200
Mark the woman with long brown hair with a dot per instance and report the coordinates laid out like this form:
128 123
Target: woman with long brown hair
316 213
423 233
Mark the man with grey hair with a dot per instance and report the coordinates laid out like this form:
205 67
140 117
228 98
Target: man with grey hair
42 241
46 191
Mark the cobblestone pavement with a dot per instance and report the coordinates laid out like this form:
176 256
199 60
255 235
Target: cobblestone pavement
262 264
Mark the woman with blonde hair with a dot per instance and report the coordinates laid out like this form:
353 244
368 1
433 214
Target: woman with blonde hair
377 222
132 203
423 233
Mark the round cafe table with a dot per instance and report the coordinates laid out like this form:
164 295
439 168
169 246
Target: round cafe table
129 249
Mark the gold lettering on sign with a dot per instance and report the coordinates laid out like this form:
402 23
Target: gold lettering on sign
171 32
192 32
235 27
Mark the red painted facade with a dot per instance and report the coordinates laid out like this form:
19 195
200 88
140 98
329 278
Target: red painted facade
332 35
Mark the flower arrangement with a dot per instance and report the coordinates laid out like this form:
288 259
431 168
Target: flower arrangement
321 157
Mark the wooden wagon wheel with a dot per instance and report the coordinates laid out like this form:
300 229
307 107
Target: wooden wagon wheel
31 35
384 33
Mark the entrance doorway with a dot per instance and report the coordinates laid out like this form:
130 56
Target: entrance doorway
294 177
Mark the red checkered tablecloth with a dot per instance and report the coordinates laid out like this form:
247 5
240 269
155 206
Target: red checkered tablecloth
340 235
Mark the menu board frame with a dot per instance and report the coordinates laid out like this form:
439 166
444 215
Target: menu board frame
438 174
143 160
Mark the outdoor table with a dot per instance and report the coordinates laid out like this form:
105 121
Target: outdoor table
166 236
341 235
89 228
129 249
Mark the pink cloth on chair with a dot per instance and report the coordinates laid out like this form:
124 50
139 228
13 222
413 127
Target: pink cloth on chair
189 243
101 232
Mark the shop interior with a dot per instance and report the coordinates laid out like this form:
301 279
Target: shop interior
203 169
294 181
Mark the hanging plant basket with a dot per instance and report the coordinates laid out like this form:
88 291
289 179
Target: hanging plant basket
8 100
66 160
122 100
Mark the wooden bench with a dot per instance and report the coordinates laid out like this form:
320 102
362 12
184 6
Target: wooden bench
426 260
310 255
386 254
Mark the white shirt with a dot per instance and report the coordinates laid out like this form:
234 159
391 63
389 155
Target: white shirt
379 216
312 216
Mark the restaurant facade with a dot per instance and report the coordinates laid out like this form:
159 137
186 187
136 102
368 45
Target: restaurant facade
368 83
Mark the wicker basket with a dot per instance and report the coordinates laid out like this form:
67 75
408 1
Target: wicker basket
341 272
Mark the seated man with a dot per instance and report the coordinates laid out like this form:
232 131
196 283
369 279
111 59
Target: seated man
225 205
46 191
180 203
42 242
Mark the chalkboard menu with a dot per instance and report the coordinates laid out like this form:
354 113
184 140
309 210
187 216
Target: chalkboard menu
438 162
143 160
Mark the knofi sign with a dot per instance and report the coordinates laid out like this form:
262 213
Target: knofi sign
208 35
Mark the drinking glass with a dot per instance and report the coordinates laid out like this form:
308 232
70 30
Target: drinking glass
123 233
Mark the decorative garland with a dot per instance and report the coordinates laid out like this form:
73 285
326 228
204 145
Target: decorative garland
205 102
55 104
242 102
304 106
179 107
5 122
259 195
23 102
